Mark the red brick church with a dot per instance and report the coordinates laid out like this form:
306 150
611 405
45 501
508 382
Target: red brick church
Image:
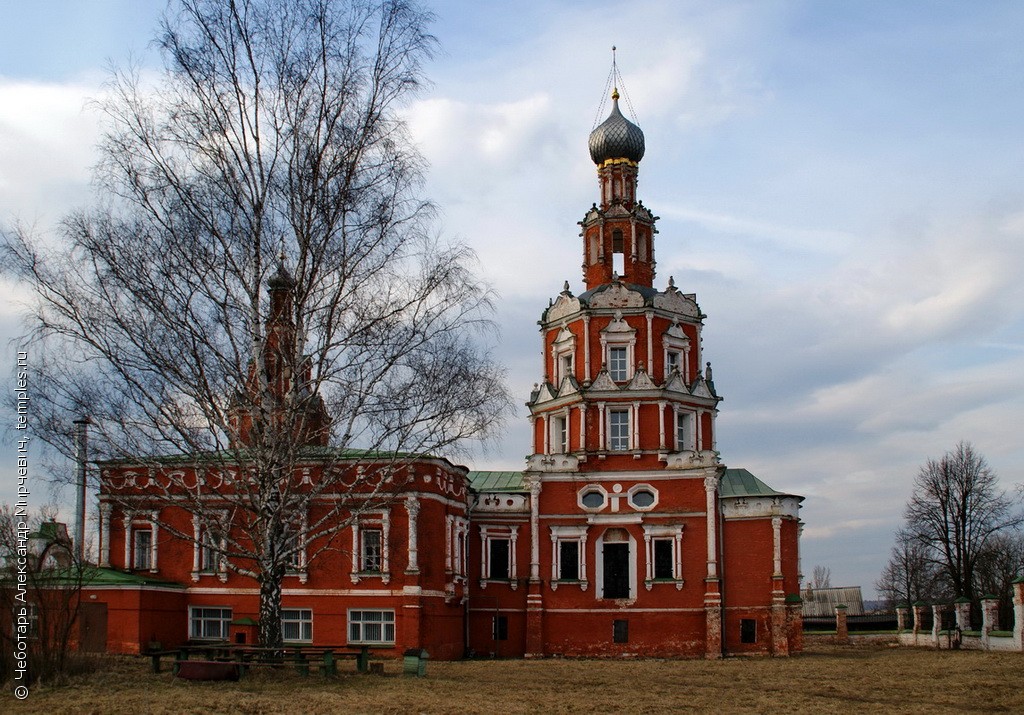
624 534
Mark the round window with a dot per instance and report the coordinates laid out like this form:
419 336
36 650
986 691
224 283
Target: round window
642 498
593 500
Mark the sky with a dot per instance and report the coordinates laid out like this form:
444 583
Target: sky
839 183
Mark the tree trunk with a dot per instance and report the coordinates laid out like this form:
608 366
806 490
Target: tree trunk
270 611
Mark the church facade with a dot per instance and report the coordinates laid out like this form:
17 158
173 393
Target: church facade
625 534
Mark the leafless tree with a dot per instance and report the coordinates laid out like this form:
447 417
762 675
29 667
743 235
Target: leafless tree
999 564
910 575
270 150
42 594
956 511
821 577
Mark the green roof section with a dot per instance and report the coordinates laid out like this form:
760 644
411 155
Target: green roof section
741 483
94 577
496 481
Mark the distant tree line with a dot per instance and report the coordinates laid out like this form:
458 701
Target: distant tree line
961 536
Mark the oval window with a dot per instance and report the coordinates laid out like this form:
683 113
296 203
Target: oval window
593 500
642 498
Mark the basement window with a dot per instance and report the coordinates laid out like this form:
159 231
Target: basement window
748 630
620 631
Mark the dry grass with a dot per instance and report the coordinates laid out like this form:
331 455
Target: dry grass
871 678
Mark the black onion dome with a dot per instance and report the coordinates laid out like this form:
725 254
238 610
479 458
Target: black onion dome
616 138
282 278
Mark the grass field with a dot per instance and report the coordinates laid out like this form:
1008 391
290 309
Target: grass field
870 678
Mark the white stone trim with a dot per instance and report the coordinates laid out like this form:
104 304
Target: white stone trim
568 533
673 532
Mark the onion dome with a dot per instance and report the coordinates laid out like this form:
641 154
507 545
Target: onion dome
282 279
616 137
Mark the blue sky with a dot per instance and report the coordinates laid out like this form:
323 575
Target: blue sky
839 182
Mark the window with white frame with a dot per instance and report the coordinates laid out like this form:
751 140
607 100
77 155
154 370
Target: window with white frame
672 361
498 558
209 623
618 363
564 366
142 552
371 627
370 544
568 555
297 624
560 434
294 548
499 554
208 556
664 554
685 430
370 547
618 430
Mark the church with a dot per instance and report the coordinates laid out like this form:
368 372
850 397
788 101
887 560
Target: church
624 535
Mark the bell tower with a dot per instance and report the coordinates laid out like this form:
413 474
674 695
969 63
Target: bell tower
618 232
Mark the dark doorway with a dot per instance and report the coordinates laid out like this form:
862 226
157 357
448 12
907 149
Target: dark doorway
748 630
616 570
92 627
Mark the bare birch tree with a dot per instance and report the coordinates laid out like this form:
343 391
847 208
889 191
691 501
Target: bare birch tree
270 150
910 575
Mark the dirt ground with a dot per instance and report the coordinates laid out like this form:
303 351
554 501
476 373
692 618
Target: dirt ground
868 678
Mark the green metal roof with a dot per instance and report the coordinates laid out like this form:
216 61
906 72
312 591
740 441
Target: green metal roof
112 577
741 483
496 481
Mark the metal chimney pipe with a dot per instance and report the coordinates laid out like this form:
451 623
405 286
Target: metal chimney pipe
81 456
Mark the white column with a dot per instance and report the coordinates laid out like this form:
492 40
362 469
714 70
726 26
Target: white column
153 516
534 485
698 444
412 506
777 544
586 348
127 541
513 561
661 424
385 527
602 443
483 553
678 571
635 427
649 556
650 336
583 426
547 433
196 536
450 542
710 487
105 535
799 556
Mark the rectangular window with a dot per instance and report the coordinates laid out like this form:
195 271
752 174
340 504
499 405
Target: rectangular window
618 432
672 363
297 624
565 367
617 364
371 627
560 435
568 561
370 550
684 431
208 557
620 631
142 558
748 630
664 558
209 623
499 628
293 549
498 561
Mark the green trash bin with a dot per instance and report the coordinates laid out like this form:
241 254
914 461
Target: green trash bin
414 662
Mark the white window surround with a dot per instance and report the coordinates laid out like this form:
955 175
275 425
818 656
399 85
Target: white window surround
509 533
208 558
559 426
376 520
300 622
599 566
635 489
674 340
674 534
686 430
620 430
297 564
576 534
371 627
456 540
132 525
618 334
563 355
596 489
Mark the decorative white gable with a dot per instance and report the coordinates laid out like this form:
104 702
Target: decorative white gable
617 296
